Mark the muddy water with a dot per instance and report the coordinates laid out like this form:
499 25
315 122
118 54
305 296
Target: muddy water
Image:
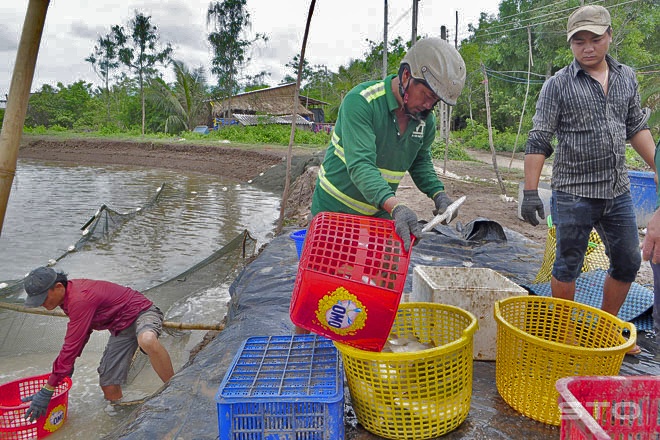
49 202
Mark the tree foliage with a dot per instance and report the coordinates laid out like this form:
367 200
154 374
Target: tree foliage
183 101
501 42
104 60
62 106
229 21
140 51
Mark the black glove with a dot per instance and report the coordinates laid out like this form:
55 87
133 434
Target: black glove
532 204
442 202
405 224
39 404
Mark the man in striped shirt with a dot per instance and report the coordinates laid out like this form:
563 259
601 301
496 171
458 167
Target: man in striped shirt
592 106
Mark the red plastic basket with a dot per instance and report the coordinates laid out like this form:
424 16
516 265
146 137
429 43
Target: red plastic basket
350 278
14 426
609 407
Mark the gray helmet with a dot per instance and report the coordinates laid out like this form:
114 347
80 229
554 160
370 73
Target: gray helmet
439 65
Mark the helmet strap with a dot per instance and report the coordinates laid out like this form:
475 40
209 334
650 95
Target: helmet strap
402 92
404 97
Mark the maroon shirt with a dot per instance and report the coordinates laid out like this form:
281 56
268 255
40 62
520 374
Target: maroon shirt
94 305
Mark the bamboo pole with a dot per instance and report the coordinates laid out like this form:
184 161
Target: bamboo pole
19 94
294 120
530 64
61 314
490 131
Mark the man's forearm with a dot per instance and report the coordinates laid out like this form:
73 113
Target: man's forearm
642 143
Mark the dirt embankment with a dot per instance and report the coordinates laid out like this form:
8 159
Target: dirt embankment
237 163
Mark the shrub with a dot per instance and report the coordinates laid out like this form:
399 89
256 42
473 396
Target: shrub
269 134
475 135
455 152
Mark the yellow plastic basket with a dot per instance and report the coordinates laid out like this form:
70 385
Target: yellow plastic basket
594 257
542 339
421 394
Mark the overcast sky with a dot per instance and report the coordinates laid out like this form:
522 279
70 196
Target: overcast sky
338 32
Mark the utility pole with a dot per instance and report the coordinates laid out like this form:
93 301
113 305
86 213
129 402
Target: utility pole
385 40
443 113
456 32
415 9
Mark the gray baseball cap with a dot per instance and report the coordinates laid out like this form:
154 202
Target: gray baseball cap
37 284
593 18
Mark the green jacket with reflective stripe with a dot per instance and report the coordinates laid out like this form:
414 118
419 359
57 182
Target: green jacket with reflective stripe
367 156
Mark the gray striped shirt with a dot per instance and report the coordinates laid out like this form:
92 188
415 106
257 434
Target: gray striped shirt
591 129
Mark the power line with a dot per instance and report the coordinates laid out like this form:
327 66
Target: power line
491 34
531 10
512 79
521 71
650 65
405 14
506 31
535 17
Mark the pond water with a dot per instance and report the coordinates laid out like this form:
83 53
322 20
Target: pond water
195 215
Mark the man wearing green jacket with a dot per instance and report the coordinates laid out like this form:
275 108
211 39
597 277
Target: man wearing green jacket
384 129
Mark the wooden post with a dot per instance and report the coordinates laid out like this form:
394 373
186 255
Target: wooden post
19 94
490 131
446 119
443 115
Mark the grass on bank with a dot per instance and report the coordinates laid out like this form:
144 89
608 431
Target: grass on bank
271 135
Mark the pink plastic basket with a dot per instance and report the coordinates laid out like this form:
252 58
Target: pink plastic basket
14 426
609 407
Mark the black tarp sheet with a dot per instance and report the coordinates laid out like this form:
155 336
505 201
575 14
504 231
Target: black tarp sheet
186 407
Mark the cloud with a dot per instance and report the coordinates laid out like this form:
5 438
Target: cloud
272 55
8 40
335 37
184 35
81 30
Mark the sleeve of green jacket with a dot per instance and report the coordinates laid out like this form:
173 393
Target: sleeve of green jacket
359 142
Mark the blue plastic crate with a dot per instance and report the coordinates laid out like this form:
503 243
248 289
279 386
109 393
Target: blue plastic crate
642 190
283 388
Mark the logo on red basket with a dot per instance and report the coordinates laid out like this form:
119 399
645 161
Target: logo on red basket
55 418
341 312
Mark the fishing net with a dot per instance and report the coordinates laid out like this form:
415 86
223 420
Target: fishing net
100 227
28 331
216 270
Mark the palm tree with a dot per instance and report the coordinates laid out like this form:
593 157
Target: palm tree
184 100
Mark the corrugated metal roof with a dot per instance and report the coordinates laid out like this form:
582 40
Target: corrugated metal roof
267 119
273 101
303 98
